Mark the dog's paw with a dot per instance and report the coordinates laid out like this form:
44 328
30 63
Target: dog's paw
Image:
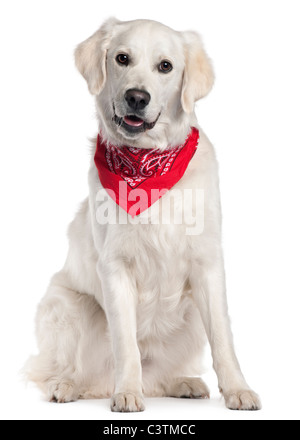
242 400
127 402
62 392
190 387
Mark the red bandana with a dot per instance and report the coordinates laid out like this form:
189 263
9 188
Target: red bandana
135 178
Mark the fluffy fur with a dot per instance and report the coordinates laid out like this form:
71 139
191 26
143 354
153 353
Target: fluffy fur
133 306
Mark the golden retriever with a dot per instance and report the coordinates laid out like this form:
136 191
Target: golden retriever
139 295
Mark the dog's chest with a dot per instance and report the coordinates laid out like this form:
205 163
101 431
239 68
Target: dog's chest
159 264
157 258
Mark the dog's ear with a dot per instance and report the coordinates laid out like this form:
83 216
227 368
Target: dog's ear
90 56
198 77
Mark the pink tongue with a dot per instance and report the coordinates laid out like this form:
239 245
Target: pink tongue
133 122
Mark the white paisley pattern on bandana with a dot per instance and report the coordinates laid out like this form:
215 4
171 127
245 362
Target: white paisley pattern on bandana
135 165
146 174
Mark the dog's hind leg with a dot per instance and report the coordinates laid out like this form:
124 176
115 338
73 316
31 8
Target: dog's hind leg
188 387
74 350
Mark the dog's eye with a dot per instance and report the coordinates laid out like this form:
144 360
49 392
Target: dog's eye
122 59
165 67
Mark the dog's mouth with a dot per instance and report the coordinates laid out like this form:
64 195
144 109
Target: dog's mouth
134 124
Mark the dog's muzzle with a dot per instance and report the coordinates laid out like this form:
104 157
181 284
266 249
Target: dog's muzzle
132 122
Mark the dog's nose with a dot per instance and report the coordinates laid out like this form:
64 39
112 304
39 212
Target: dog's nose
137 99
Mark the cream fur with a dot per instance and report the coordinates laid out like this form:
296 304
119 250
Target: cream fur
131 310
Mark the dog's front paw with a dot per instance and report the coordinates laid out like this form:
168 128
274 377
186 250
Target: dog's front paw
127 402
242 400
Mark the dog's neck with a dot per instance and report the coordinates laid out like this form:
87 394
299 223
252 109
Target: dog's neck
129 173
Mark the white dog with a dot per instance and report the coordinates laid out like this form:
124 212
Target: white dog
140 292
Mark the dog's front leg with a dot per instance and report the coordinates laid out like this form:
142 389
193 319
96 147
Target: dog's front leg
208 285
119 299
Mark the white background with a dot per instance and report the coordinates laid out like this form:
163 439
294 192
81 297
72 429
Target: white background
252 117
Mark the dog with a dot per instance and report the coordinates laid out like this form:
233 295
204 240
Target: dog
140 294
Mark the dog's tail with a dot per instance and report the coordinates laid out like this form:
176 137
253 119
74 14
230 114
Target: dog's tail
36 370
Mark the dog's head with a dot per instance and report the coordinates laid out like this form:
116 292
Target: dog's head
146 78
